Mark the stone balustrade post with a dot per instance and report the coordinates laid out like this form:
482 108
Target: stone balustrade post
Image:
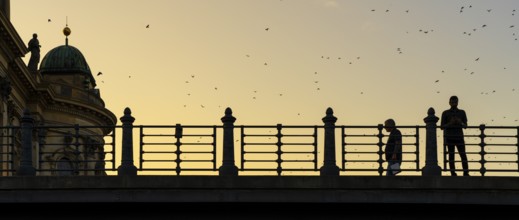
26 166
329 167
127 168
228 167
431 147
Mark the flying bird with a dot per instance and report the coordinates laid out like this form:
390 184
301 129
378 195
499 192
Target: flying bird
99 73
148 26
49 20
266 29
477 59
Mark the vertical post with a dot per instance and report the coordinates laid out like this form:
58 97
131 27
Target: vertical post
343 148
417 144
380 151
77 151
228 167
127 168
178 144
431 148
329 167
279 152
26 167
517 147
482 144
42 132
314 152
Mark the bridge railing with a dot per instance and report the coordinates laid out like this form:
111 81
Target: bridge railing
229 149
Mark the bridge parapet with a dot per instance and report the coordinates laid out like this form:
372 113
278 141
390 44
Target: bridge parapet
280 150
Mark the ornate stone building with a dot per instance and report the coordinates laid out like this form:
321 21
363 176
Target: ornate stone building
59 95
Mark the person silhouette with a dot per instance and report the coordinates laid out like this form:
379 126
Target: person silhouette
34 47
453 121
393 150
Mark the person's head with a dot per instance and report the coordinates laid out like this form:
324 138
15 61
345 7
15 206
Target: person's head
34 35
453 101
389 125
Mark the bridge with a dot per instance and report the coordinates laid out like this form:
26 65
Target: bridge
229 180
292 197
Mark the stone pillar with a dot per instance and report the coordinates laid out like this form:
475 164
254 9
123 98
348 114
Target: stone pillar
431 147
127 168
5 6
26 167
228 167
329 167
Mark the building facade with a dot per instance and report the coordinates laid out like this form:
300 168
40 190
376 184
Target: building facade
60 95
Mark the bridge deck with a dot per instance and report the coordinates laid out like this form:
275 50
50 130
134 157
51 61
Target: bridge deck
261 189
286 197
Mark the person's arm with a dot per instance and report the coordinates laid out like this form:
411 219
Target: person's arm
446 120
443 121
398 145
464 120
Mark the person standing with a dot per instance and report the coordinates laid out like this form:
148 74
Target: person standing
393 148
453 121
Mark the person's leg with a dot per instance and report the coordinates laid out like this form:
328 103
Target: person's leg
463 156
389 171
452 166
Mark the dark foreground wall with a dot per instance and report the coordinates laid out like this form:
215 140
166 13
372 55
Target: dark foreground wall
260 197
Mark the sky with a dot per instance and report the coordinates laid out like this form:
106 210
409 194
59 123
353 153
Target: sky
287 61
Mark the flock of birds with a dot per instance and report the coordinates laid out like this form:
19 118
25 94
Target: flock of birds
352 61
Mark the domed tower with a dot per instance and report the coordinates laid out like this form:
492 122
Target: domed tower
76 119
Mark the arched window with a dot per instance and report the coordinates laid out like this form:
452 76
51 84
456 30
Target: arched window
64 167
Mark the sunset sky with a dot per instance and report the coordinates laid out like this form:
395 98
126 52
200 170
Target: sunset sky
287 61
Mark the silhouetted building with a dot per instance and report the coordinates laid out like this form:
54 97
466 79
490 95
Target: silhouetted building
60 94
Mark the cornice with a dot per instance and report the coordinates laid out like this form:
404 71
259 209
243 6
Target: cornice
9 34
101 117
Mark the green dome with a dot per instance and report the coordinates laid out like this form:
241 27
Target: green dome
64 59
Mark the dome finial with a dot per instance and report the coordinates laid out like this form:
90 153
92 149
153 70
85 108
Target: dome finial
66 31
